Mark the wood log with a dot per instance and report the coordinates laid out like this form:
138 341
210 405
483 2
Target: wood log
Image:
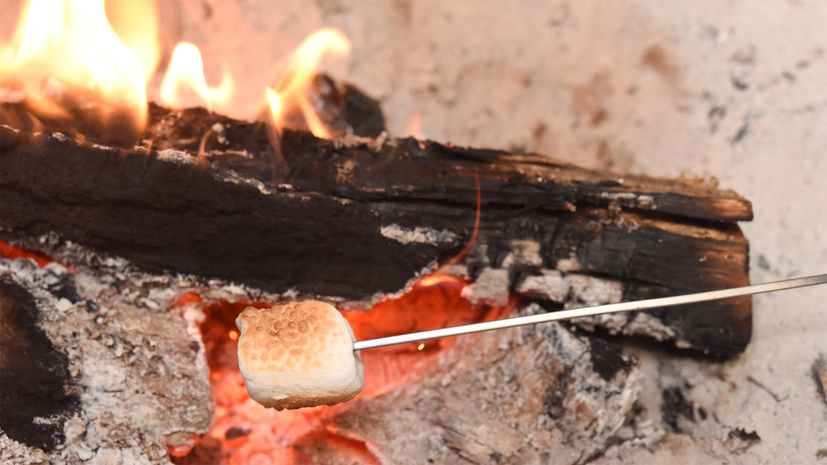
360 218
35 374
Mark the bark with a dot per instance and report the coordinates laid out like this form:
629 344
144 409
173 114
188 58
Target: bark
360 218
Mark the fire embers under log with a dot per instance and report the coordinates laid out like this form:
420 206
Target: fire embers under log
243 431
139 375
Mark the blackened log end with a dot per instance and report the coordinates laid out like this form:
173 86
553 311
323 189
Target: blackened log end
33 392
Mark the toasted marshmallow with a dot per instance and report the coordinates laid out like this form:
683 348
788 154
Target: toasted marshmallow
298 355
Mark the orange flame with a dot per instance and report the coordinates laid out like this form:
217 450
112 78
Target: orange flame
73 43
80 55
293 85
136 24
186 72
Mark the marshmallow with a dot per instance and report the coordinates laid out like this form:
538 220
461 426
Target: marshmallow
297 355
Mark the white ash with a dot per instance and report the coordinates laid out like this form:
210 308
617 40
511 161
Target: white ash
14 453
646 202
176 156
229 176
504 378
618 195
569 265
420 235
578 290
523 252
643 323
458 270
138 378
572 290
490 287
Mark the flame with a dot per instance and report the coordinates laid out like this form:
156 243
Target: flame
88 61
186 72
415 126
293 85
135 22
73 44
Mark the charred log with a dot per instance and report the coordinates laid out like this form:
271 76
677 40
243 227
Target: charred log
35 394
357 218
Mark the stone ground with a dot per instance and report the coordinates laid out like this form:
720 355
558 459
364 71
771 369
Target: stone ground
735 89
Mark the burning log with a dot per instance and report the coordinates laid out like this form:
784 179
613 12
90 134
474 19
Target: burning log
166 224
205 205
357 219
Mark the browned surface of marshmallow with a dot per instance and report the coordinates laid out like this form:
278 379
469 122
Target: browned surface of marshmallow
289 336
298 354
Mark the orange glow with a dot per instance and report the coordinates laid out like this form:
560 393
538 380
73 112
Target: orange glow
184 84
415 126
436 278
243 431
13 252
61 44
293 85
438 305
135 22
233 335
187 299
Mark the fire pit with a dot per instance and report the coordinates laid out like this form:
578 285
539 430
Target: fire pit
161 222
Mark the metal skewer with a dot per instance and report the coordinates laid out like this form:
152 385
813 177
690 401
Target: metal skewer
590 311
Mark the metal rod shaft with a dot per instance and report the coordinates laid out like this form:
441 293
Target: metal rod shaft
590 311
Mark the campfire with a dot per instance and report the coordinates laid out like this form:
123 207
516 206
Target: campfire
135 232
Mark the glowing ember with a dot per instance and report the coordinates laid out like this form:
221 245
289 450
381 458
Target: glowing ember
245 432
13 252
185 85
293 85
62 43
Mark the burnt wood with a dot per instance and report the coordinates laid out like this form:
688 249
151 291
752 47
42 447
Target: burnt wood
354 217
35 376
